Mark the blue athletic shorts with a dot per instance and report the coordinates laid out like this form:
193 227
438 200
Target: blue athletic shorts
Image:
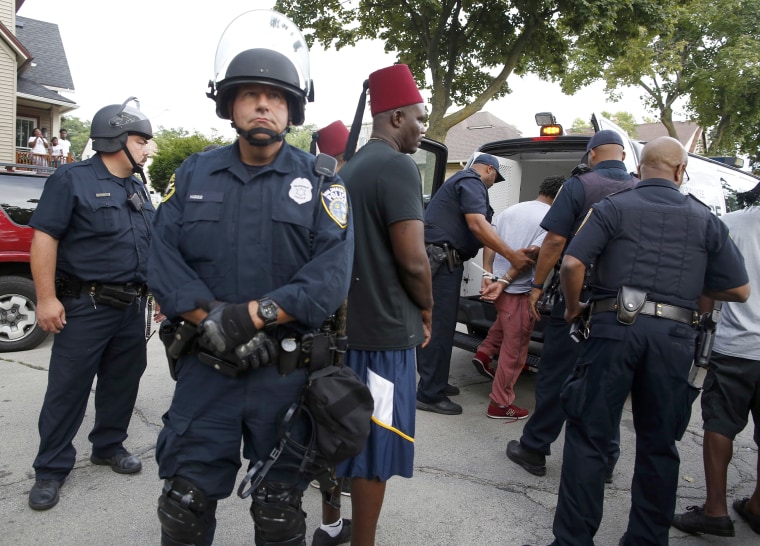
391 377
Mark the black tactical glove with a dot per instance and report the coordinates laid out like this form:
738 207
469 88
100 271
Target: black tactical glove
261 350
227 326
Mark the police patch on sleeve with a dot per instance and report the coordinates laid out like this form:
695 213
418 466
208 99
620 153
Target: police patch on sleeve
169 190
300 190
335 202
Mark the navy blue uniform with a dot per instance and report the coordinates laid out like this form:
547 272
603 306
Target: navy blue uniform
463 193
656 239
560 352
100 238
236 233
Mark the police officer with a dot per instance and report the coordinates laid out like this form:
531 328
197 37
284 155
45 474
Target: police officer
608 174
255 248
89 260
655 252
457 225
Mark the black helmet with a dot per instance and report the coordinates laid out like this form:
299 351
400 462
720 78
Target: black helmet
112 124
262 46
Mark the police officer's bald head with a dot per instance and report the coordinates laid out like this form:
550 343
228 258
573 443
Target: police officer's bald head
664 157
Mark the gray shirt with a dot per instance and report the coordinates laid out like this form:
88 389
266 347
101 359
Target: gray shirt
738 331
520 227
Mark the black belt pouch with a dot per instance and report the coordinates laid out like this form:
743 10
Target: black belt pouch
113 296
629 303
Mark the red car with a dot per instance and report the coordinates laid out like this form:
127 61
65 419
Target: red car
19 194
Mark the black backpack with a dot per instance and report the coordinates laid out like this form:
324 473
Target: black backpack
342 407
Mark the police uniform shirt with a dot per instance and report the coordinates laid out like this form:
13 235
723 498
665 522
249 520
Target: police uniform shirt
100 236
228 234
463 193
568 205
655 238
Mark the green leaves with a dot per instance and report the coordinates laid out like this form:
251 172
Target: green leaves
464 51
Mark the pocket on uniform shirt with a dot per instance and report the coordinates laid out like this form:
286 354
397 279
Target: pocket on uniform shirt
206 207
291 233
105 216
203 237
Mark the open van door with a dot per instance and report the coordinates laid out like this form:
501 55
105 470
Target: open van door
601 123
431 158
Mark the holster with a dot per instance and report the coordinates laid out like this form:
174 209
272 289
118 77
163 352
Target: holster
629 303
436 257
317 350
114 296
178 338
579 329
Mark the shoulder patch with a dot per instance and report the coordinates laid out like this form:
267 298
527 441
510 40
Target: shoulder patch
170 190
335 203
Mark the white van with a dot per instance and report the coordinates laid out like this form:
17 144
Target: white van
526 162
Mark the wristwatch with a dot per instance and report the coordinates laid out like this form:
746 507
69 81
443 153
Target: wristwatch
534 285
267 311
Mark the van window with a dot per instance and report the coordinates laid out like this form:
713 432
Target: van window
431 158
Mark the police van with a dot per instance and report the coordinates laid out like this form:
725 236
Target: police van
524 163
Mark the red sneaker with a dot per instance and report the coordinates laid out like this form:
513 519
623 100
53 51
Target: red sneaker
495 411
484 364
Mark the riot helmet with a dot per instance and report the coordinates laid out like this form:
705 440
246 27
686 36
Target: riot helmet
114 123
264 47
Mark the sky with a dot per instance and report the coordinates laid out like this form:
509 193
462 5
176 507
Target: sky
162 52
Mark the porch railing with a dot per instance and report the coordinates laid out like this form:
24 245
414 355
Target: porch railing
25 156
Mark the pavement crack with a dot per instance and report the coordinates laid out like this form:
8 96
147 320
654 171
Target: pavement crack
519 488
147 422
27 364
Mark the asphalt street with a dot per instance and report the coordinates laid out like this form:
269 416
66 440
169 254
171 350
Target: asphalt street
464 490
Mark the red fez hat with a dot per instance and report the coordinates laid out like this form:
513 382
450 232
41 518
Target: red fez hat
392 87
332 139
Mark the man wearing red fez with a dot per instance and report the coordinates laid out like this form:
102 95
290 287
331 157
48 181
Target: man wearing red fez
332 139
390 302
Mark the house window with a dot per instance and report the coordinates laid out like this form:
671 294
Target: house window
24 128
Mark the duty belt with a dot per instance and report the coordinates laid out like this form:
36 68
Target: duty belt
453 257
651 308
120 295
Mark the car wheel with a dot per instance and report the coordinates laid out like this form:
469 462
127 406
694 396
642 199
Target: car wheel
19 330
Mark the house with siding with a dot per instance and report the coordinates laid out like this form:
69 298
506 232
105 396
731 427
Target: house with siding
34 72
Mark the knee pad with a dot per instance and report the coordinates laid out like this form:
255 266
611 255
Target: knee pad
277 515
187 517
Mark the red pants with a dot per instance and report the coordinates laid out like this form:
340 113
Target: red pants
513 325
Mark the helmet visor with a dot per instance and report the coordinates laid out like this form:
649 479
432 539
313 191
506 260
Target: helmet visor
263 30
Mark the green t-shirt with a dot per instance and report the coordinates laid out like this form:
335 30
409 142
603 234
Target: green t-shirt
384 187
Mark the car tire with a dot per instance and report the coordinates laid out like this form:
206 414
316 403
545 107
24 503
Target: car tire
19 330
